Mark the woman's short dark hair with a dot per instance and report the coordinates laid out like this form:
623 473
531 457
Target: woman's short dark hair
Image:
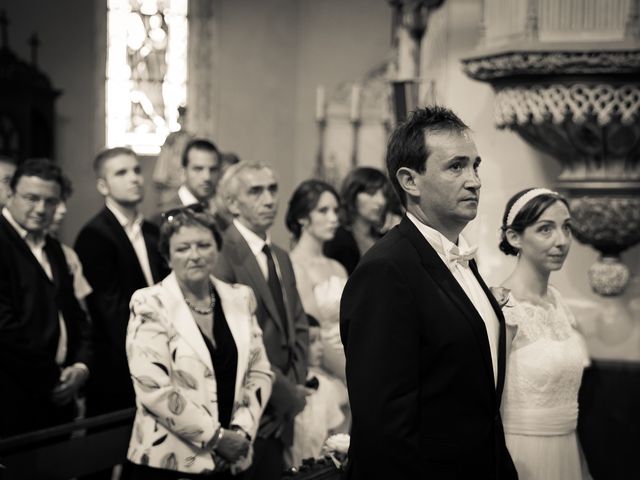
174 220
304 199
527 216
362 179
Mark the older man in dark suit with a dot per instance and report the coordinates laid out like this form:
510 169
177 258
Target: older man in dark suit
119 253
45 349
424 338
248 256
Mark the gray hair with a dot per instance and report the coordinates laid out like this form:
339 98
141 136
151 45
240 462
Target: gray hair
229 183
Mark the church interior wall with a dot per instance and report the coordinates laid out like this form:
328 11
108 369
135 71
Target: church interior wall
272 55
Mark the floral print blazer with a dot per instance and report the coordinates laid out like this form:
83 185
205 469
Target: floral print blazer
174 382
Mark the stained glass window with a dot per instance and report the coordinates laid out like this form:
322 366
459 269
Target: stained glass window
146 71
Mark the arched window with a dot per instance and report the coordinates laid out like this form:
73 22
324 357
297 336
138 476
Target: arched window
146 71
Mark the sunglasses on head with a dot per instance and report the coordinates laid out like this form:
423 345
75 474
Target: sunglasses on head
169 215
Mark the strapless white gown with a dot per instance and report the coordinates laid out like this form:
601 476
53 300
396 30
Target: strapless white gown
540 399
327 295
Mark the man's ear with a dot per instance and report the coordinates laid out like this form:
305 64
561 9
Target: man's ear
513 238
232 205
10 197
102 187
407 179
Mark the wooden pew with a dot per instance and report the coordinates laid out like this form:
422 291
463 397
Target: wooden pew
69 450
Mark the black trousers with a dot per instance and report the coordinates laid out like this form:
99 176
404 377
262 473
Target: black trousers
268 462
141 472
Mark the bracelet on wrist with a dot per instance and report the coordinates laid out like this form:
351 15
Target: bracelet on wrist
217 438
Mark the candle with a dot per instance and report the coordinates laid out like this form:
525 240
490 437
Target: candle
320 106
354 111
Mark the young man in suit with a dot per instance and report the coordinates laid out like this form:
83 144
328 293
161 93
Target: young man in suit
119 253
248 256
45 349
201 171
423 336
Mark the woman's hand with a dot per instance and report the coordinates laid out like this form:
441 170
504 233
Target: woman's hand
232 446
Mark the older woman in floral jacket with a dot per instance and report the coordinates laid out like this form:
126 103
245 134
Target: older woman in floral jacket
197 361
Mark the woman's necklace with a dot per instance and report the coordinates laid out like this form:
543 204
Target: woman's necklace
204 311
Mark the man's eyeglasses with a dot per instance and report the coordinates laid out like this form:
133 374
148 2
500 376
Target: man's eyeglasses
169 215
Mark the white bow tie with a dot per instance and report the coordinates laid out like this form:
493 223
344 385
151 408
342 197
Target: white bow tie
459 255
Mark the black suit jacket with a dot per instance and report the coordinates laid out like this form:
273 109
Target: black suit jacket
285 339
113 270
419 369
30 331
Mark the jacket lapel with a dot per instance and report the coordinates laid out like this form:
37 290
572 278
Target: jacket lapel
450 286
184 323
502 338
285 279
244 257
22 246
151 242
124 244
53 264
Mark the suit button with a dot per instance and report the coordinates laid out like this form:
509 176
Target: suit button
496 418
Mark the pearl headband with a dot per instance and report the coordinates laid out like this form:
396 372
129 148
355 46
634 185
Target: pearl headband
523 200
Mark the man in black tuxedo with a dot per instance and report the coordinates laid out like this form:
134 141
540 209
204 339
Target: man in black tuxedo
248 256
424 338
45 348
119 253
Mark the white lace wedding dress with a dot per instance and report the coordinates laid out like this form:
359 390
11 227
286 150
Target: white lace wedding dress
540 399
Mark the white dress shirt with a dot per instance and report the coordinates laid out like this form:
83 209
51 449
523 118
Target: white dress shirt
256 244
133 229
186 197
467 280
36 245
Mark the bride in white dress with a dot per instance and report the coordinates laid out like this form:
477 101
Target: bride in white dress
546 354
312 218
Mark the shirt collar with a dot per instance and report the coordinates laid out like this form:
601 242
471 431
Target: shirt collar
444 247
256 244
122 219
186 197
37 241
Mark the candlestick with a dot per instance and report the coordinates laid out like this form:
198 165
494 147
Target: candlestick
320 103
354 111
320 170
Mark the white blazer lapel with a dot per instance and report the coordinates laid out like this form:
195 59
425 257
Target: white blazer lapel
183 321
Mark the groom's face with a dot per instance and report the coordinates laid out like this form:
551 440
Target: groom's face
450 185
